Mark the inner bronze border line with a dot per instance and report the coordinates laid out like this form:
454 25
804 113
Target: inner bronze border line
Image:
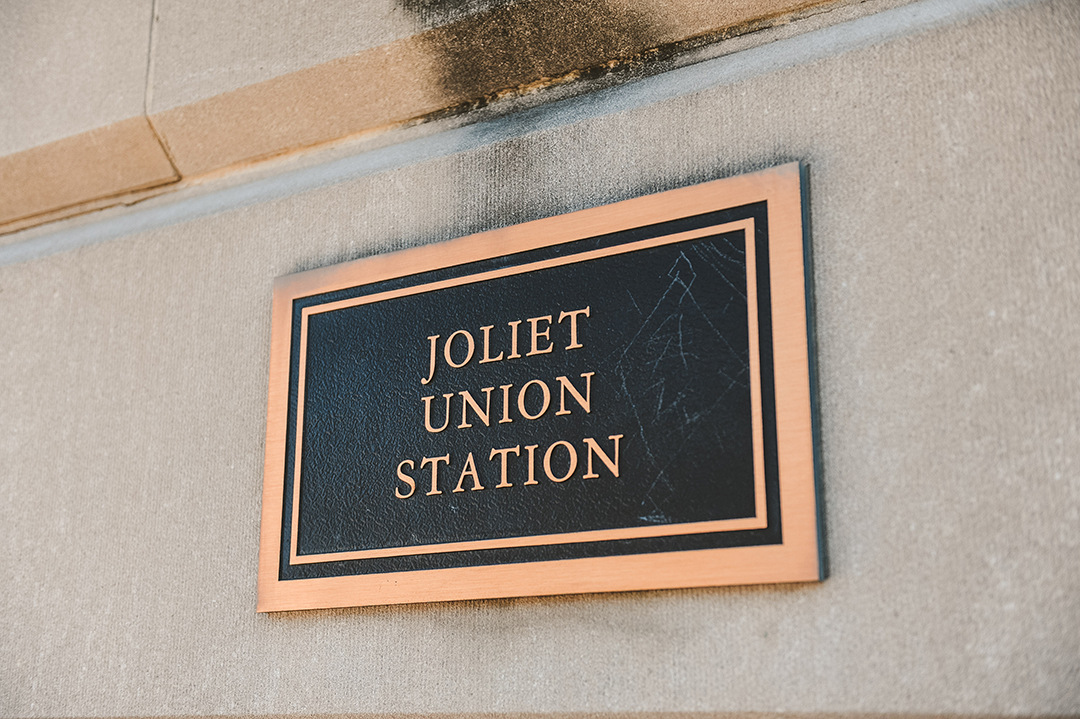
758 521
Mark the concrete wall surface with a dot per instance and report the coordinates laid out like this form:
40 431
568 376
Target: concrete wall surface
945 208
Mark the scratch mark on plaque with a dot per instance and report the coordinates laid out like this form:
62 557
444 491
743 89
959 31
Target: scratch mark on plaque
682 346
684 326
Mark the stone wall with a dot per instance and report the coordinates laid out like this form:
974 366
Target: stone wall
944 158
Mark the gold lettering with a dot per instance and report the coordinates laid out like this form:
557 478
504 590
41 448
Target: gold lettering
469 470
592 446
434 462
406 479
513 339
470 402
521 399
487 346
503 482
531 449
573 315
573 461
585 402
506 403
431 368
536 334
450 341
427 413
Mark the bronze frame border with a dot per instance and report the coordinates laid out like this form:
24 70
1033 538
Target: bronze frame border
795 560
758 521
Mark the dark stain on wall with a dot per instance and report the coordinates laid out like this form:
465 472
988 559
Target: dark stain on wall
434 13
512 49
487 49
505 47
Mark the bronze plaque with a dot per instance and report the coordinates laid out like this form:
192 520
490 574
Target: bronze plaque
614 399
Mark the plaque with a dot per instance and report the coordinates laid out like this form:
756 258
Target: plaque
609 400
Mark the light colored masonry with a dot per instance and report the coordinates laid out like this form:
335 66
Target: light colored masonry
163 161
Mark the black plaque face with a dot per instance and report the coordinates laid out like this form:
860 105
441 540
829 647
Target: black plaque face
604 400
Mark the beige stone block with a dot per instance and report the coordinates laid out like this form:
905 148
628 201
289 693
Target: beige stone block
305 108
514 48
67 67
204 48
106 162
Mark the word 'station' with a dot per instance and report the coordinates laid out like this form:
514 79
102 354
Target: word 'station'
529 402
